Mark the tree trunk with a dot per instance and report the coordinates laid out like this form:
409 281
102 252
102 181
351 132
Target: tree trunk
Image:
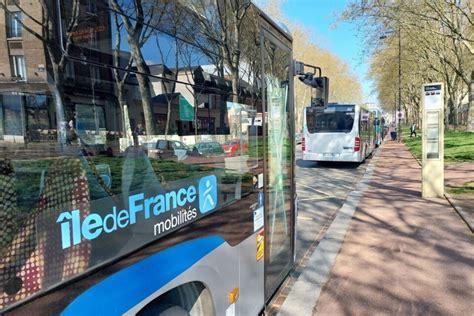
126 128
58 96
122 102
470 113
235 86
195 116
168 117
144 87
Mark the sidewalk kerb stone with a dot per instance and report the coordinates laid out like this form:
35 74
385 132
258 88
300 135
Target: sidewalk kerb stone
463 214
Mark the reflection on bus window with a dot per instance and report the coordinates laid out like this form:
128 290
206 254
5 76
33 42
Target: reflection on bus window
79 137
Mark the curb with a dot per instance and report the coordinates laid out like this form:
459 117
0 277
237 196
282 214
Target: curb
452 202
304 295
460 211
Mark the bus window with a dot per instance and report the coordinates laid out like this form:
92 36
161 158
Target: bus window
330 120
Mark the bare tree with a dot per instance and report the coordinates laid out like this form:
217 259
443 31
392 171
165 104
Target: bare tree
175 24
223 22
120 76
139 18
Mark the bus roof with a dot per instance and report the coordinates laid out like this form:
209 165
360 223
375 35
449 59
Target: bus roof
280 26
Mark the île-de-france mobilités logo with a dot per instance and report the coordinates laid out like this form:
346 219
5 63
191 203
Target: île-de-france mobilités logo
207 193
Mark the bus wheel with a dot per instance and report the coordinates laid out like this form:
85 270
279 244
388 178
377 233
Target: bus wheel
190 299
167 310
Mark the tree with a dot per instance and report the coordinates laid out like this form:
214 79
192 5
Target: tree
175 23
120 77
139 18
226 24
436 44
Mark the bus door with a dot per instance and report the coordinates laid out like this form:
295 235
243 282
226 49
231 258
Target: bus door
279 206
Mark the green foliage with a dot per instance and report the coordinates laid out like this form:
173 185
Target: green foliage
467 188
30 176
458 146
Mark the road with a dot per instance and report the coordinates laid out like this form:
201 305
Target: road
322 189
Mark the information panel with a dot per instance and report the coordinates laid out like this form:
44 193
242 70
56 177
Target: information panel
433 140
432 135
433 96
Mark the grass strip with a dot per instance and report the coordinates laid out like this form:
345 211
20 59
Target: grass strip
458 145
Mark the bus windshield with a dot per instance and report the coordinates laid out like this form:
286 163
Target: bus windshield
334 119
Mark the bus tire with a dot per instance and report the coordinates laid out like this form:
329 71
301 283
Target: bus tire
189 299
167 310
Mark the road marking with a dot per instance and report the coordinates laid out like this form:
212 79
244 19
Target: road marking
305 218
322 198
316 190
345 187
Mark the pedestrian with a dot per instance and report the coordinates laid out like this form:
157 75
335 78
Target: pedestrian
413 129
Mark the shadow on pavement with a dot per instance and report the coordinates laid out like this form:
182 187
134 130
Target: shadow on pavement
327 164
402 255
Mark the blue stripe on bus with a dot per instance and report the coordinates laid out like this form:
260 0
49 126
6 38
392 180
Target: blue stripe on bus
121 291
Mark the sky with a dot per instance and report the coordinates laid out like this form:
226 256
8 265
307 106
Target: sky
319 15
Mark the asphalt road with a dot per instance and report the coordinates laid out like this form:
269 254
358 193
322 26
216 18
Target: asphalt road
322 189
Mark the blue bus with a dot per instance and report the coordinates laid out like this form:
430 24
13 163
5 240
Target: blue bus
106 208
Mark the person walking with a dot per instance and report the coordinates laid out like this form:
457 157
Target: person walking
413 129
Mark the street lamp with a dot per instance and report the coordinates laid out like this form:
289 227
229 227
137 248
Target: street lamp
398 116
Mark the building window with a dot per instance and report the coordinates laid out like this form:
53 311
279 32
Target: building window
95 74
93 41
206 124
14 25
18 67
12 114
91 6
69 70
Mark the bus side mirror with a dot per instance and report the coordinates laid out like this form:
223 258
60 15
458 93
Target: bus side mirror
321 88
324 90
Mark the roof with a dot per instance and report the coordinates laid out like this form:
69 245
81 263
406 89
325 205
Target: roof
164 98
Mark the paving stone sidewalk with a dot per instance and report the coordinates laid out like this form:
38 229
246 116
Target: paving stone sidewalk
455 175
402 254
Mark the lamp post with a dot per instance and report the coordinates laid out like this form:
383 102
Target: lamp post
399 134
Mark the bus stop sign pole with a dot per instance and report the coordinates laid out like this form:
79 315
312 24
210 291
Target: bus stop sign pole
433 140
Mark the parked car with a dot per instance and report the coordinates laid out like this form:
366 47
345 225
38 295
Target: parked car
209 149
207 153
232 148
167 150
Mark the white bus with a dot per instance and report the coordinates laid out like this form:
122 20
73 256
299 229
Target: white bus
339 132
